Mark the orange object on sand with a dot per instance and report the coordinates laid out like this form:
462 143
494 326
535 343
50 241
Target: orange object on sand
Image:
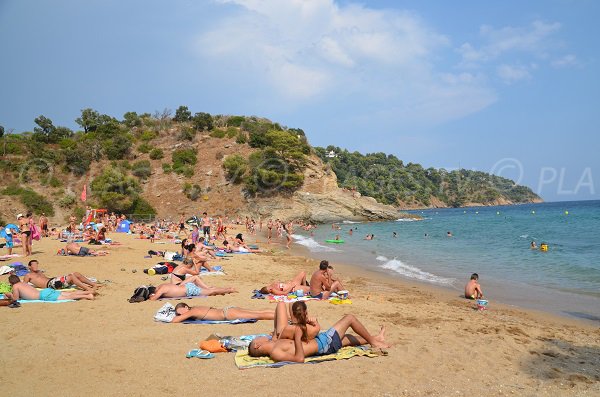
213 346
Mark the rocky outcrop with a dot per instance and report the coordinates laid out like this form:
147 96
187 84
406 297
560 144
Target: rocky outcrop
321 200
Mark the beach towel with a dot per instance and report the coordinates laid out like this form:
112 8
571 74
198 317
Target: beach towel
39 301
244 361
181 298
289 298
236 321
9 257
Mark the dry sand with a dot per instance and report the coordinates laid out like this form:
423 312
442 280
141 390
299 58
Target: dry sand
442 346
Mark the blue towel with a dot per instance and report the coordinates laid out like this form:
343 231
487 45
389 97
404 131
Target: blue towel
238 321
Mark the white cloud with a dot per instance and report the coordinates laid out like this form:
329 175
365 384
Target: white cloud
303 52
565 61
511 74
532 40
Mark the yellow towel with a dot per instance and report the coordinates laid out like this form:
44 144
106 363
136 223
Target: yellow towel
337 301
243 360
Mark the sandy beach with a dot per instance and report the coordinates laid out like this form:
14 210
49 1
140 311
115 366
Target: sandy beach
442 346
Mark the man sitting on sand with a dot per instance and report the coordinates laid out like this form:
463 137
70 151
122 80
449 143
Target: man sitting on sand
40 280
284 288
185 312
187 289
78 250
323 283
25 291
473 289
328 342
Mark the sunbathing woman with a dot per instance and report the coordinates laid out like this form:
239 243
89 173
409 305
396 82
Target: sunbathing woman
181 272
200 260
284 288
185 312
187 289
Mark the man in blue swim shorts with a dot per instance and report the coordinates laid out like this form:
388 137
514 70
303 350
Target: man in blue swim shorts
25 291
327 342
187 289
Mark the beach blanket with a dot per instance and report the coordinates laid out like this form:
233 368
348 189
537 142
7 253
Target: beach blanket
236 321
244 361
289 298
181 297
8 257
39 301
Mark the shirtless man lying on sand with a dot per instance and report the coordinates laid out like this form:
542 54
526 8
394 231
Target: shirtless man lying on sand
78 250
185 312
25 291
40 280
323 282
187 289
328 342
473 289
284 288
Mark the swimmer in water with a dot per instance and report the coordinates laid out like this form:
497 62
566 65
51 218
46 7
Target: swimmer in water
533 245
395 235
449 234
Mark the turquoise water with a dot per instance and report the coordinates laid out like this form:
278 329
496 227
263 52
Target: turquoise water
493 242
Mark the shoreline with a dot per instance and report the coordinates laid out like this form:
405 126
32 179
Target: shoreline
446 293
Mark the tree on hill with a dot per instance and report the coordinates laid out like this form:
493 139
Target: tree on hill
203 121
46 131
182 114
89 120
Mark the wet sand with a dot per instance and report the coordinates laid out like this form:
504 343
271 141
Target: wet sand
442 345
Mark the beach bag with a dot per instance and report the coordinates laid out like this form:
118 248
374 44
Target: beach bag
166 314
35 232
141 294
170 255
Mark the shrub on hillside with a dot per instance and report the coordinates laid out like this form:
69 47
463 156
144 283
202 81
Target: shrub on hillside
192 191
183 160
117 148
218 133
33 201
166 167
67 201
115 190
235 167
186 134
142 169
144 148
156 154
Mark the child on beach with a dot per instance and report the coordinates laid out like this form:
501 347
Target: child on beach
473 289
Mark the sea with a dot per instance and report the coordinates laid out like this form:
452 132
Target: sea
491 241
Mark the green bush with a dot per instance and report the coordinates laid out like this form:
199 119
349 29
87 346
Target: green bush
166 167
142 207
33 201
202 121
231 132
67 201
184 170
117 148
235 167
186 134
142 169
218 133
156 154
241 137
148 135
192 191
236 121
183 157
115 190
54 182
144 148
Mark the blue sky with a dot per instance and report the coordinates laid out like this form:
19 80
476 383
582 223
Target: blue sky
508 87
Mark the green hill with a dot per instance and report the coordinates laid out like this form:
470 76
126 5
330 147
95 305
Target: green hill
390 181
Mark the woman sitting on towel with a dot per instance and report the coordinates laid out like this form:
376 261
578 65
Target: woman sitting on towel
188 271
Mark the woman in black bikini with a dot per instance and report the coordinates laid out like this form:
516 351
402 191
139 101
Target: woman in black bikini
25 234
180 273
